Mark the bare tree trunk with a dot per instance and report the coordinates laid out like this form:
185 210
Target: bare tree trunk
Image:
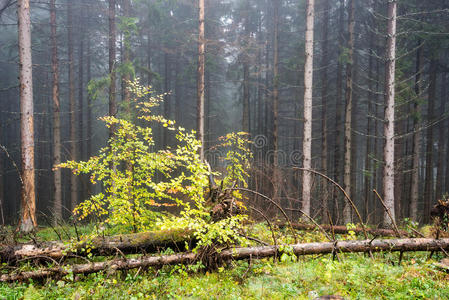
112 61
388 176
57 185
127 60
89 102
201 77
308 86
414 188
429 182
338 109
245 117
348 113
73 106
167 98
441 140
324 92
28 209
276 167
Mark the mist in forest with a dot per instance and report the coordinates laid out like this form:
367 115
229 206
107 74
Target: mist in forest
353 90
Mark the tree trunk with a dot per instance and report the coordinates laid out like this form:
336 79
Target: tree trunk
441 140
127 60
112 74
276 167
338 110
308 91
201 66
57 183
364 246
127 243
347 218
28 208
324 95
414 188
73 107
388 176
245 44
429 183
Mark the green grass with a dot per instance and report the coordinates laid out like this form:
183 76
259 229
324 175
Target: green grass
354 277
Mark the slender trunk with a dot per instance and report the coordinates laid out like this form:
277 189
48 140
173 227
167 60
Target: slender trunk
28 208
429 182
112 61
245 117
57 183
441 140
338 110
368 160
127 60
348 113
72 105
81 94
201 66
324 92
2 186
308 85
276 170
89 102
388 176
167 99
259 76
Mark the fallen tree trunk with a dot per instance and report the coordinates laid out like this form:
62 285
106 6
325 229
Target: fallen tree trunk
145 242
236 254
345 230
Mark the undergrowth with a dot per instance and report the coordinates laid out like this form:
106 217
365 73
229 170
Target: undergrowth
355 276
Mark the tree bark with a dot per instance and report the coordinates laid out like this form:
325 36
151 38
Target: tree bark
276 167
441 140
72 106
245 44
414 188
145 242
347 216
28 203
388 176
57 183
308 91
112 61
324 95
201 77
238 254
429 182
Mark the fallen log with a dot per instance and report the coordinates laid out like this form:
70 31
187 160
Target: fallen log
345 230
145 242
403 245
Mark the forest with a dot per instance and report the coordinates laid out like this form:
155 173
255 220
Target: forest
224 149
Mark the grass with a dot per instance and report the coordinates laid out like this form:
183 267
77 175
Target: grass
354 277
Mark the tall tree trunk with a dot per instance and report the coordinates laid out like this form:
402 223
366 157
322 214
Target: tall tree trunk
57 183
308 86
28 208
324 95
245 44
89 102
201 66
348 113
368 160
388 176
112 61
73 106
127 60
167 107
276 167
441 140
338 108
429 182
414 188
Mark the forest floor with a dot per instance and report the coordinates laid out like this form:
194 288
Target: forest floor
353 276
